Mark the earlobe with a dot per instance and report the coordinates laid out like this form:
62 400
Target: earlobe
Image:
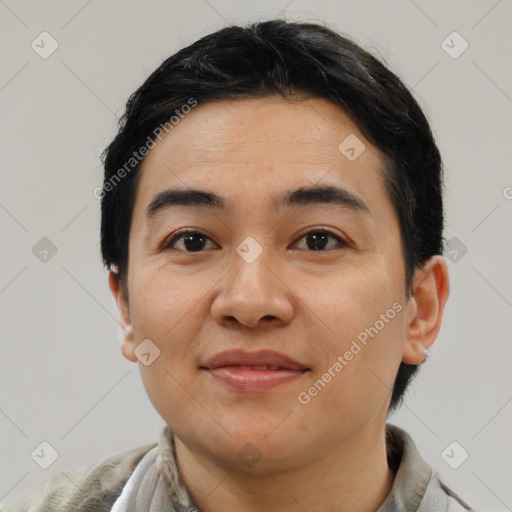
126 329
430 292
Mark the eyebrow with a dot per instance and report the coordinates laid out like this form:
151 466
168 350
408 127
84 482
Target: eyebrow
301 196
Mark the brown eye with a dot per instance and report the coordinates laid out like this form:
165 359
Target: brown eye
191 241
318 240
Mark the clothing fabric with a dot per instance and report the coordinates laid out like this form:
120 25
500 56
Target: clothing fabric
147 479
155 485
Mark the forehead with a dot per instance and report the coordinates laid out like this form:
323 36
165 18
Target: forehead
247 147
240 125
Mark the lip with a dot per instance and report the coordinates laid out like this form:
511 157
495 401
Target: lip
253 371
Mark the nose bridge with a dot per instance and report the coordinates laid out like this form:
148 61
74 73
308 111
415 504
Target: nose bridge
251 263
252 291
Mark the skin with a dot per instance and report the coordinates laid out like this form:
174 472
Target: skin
329 454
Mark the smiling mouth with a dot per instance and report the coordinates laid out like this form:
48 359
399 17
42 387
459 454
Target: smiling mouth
254 378
258 368
252 371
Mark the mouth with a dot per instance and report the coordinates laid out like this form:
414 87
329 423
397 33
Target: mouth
253 371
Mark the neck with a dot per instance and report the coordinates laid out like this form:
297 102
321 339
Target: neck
353 477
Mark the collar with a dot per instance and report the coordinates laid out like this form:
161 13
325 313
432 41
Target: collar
412 473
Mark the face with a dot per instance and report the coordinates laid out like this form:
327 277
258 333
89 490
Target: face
315 277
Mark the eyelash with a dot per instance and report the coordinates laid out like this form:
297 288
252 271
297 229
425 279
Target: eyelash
167 245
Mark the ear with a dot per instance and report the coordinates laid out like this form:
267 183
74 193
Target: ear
430 290
126 331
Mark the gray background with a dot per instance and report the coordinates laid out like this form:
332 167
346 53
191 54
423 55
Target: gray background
62 377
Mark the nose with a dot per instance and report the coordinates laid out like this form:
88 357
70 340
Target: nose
254 294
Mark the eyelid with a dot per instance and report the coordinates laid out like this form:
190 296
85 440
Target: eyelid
341 240
169 241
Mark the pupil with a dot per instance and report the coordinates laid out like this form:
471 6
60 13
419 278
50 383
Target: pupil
194 242
319 240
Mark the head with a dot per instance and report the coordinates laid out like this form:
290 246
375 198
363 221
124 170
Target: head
256 121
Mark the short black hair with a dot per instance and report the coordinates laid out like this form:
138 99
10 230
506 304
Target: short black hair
286 58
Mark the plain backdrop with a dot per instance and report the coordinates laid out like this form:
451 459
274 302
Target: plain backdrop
63 379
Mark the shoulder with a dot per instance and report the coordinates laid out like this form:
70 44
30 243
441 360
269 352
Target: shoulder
94 487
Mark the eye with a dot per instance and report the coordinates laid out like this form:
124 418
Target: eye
192 241
318 239
195 241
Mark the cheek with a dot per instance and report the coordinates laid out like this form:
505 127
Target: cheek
166 309
168 312
358 328
346 302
